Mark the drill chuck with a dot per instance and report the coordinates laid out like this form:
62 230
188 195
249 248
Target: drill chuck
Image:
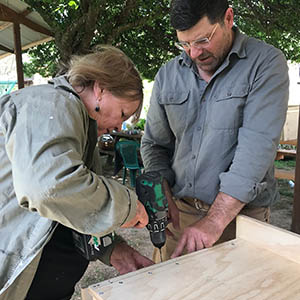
150 193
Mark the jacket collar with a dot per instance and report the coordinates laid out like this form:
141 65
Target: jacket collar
61 82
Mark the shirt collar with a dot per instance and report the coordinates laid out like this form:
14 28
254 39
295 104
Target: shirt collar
239 42
238 48
183 58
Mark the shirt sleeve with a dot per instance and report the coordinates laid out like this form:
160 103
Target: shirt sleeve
46 146
158 140
263 119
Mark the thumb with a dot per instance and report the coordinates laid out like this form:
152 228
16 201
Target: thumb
142 215
140 220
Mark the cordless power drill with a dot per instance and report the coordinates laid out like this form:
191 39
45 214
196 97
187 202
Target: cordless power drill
150 192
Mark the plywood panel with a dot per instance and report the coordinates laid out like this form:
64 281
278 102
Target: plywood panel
234 270
281 242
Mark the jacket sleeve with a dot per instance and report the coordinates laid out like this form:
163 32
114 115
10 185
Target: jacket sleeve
263 119
46 145
158 141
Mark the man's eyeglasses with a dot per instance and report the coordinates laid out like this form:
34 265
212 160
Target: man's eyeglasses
198 44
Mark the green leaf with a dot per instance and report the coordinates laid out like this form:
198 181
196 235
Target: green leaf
73 3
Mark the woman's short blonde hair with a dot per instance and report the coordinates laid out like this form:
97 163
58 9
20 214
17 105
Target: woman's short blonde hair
113 70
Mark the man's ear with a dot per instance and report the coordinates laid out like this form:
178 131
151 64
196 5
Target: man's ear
228 20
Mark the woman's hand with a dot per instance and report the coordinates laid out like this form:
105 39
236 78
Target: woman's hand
140 220
126 259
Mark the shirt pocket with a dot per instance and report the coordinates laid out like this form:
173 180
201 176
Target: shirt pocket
227 107
175 104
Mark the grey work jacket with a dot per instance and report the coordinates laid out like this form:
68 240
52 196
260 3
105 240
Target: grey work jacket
221 135
49 173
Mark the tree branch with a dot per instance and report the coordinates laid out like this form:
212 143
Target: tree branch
117 30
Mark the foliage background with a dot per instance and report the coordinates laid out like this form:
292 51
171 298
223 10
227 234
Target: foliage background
141 29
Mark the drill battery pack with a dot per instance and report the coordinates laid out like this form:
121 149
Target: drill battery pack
91 247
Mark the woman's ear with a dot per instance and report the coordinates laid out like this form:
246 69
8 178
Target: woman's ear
98 90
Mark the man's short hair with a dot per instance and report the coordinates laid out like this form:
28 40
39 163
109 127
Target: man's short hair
187 13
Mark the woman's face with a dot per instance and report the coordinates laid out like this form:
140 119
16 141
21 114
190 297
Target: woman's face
113 112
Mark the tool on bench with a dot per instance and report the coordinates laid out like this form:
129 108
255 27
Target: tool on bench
150 193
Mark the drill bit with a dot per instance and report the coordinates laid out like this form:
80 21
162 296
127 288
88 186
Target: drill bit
160 254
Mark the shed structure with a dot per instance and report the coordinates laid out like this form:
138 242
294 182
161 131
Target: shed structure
20 29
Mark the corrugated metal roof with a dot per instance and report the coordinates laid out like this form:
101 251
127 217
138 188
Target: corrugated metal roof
29 37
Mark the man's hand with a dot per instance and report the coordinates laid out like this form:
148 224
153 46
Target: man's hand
125 259
140 220
173 212
202 234
207 231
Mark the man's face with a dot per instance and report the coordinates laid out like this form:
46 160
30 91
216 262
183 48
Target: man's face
209 57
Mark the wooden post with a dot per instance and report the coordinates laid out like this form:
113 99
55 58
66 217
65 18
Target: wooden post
296 206
18 53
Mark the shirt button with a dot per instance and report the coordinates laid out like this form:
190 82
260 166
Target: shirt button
190 185
199 128
193 156
229 94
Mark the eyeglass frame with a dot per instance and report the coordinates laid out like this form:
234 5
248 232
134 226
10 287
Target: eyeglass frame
205 42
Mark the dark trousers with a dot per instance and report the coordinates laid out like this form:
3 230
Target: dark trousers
59 269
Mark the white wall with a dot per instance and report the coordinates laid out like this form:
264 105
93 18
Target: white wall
8 70
294 73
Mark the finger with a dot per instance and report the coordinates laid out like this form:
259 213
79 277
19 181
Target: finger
130 223
190 245
140 261
126 269
199 244
139 225
143 261
180 246
140 220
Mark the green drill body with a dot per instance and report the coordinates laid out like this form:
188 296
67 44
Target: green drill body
150 193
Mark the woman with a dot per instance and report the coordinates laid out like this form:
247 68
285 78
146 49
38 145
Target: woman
49 176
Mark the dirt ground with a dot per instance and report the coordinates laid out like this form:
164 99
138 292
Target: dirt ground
281 216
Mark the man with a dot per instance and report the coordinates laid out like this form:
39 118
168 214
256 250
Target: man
214 122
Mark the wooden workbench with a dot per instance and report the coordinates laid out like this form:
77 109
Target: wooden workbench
263 262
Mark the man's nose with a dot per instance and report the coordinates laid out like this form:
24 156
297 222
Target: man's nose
195 52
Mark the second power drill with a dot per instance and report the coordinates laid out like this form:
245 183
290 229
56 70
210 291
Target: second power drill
150 192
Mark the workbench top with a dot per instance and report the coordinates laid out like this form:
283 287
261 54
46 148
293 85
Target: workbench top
263 262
